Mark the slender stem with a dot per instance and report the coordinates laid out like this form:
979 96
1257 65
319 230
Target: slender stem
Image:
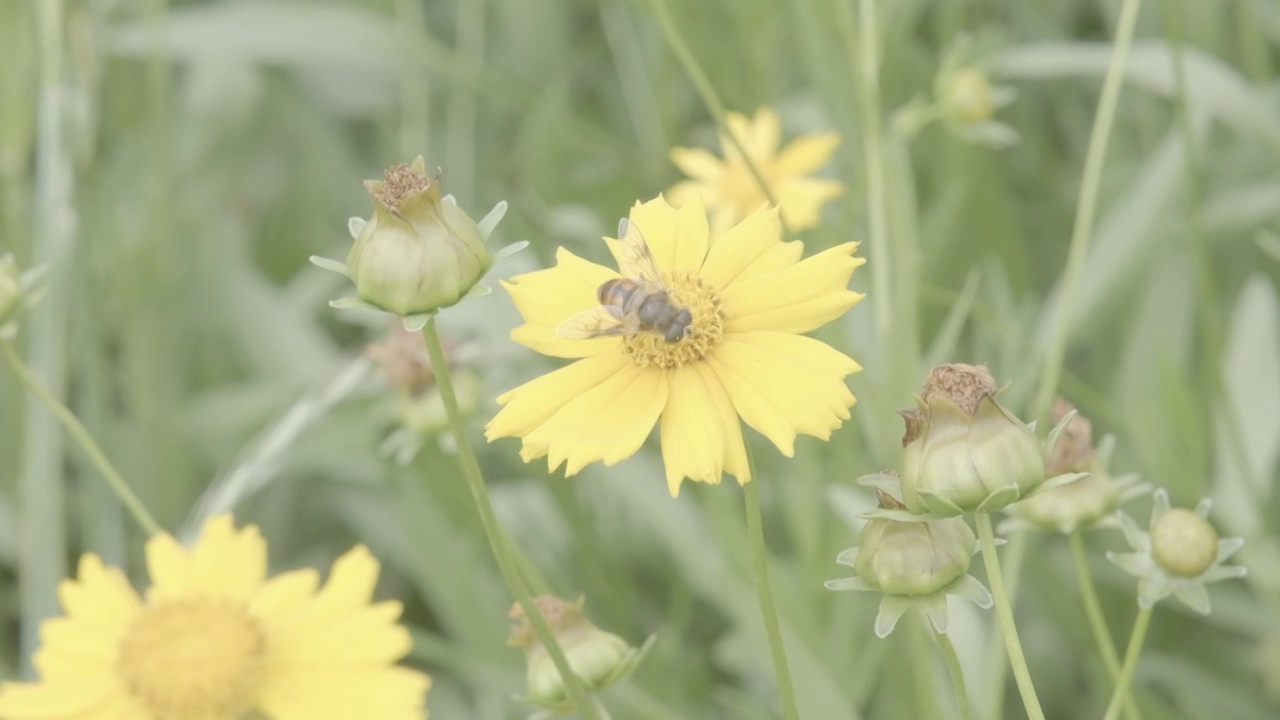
863 34
601 710
1004 611
77 431
952 661
1086 208
507 564
710 99
997 665
926 693
760 559
1130 663
1097 622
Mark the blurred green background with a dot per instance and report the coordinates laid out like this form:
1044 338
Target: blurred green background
176 163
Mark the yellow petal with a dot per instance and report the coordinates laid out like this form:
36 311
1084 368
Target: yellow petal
697 163
226 562
785 384
529 405
687 191
100 597
167 566
677 236
284 594
747 249
802 200
89 698
607 423
806 154
80 639
543 339
760 135
795 299
701 433
386 693
551 296
366 637
350 584
55 664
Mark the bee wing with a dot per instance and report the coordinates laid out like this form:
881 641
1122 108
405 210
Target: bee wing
600 321
636 260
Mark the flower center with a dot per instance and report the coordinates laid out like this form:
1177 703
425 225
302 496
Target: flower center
193 658
688 290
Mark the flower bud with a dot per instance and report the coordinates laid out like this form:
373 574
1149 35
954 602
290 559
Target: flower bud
968 96
1183 543
597 657
913 558
964 452
418 253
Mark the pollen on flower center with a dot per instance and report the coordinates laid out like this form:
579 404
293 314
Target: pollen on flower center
691 291
194 657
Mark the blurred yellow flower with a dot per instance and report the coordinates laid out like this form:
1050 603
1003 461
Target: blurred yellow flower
751 298
214 639
732 193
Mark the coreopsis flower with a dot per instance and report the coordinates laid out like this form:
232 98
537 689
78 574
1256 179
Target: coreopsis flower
1080 504
730 190
19 292
599 658
749 299
963 452
419 252
1178 554
914 563
214 639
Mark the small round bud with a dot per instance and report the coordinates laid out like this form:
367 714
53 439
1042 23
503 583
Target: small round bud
968 97
1183 543
964 452
598 657
913 558
418 253
1077 504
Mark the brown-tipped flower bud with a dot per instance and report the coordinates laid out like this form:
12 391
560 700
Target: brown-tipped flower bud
1074 450
966 453
418 253
599 658
403 359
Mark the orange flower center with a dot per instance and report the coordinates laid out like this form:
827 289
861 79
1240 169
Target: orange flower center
193 658
704 303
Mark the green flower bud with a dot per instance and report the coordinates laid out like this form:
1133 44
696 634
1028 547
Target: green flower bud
10 288
963 451
913 558
967 96
418 253
599 658
1183 543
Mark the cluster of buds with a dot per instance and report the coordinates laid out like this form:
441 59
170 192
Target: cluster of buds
419 411
913 562
19 292
963 452
599 658
1087 502
419 252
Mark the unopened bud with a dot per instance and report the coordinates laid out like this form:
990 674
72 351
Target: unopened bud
1183 543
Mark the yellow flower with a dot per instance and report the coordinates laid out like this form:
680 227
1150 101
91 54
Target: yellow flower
751 298
214 639
732 193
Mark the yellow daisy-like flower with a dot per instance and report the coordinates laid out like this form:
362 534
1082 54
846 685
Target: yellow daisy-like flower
730 190
751 298
213 639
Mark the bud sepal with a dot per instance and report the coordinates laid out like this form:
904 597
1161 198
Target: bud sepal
19 292
1178 554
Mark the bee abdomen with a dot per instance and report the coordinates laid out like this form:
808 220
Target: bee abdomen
616 291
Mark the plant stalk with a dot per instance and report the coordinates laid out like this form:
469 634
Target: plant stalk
1004 612
1130 663
760 561
582 700
956 672
1098 622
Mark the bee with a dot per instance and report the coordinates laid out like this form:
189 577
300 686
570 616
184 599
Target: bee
637 302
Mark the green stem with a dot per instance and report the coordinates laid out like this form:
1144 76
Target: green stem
952 661
710 99
1086 208
1130 663
997 666
760 560
507 565
865 66
77 431
1097 622
926 693
1004 611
